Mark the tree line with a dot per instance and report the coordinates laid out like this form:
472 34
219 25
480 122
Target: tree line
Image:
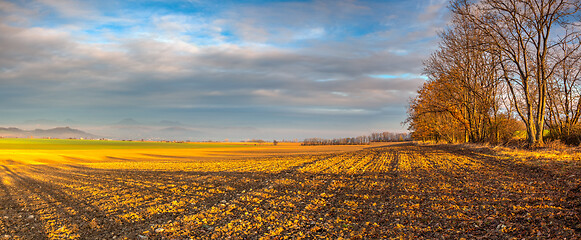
503 66
361 140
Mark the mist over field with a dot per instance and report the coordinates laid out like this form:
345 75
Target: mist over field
130 129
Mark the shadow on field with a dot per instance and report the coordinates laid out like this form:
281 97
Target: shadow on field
76 201
487 157
554 189
15 216
496 200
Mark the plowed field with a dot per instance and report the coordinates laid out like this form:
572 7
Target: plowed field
399 190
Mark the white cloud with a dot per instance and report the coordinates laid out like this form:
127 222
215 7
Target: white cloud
312 33
299 63
16 15
71 8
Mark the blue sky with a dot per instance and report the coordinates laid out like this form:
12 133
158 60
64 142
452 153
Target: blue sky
210 70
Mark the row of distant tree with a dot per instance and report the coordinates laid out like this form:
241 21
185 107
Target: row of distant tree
503 67
361 140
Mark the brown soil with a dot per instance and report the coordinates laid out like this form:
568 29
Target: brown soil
404 191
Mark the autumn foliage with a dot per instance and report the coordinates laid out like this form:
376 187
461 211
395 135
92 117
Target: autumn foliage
499 62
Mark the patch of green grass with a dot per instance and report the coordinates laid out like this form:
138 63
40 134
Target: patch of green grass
73 144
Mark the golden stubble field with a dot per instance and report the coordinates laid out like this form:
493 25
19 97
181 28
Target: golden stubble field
290 192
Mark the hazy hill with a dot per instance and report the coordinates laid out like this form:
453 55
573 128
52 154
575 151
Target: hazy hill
59 132
128 121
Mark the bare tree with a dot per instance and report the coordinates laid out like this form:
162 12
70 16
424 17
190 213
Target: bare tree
463 83
563 100
525 34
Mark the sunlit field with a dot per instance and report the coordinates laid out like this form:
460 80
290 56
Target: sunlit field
66 189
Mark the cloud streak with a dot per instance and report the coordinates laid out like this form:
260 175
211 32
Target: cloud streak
234 65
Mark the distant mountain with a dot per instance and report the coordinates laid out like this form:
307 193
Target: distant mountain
59 132
177 133
12 132
128 121
176 129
